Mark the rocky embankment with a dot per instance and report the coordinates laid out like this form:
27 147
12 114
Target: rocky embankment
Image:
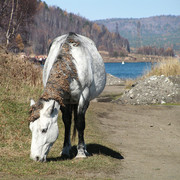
151 90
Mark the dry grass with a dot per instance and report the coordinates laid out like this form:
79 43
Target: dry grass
19 77
129 83
169 67
14 67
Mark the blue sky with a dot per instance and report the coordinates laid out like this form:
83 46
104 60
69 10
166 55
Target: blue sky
103 9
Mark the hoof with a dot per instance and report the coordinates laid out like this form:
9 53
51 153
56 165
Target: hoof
64 156
82 154
65 152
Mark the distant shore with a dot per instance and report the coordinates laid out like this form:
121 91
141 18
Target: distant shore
133 58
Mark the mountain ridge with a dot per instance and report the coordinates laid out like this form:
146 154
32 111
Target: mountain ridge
160 31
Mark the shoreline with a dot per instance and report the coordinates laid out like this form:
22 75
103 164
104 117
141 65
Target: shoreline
134 58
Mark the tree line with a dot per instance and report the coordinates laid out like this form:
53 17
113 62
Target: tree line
31 25
150 50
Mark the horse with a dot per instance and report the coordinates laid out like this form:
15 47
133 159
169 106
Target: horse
73 75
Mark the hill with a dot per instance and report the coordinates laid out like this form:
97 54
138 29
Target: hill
30 26
160 31
50 22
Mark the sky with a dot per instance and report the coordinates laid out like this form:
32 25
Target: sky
105 9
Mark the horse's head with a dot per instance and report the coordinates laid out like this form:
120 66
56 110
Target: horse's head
44 128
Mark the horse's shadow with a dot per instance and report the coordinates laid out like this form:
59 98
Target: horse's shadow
92 149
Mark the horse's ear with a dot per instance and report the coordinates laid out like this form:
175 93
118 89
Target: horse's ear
32 102
50 109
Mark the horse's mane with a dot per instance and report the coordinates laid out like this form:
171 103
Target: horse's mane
35 111
62 73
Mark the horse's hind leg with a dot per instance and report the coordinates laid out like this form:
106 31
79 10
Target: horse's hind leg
67 117
79 118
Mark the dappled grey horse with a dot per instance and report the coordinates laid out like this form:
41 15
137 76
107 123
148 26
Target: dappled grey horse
73 75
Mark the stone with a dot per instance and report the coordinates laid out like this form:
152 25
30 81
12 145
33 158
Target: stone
153 90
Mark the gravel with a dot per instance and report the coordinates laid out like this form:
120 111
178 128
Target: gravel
153 90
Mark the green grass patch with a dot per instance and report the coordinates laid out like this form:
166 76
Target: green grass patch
109 97
171 104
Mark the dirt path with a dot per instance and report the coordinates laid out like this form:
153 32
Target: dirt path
148 137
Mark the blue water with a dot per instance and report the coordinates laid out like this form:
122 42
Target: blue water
127 70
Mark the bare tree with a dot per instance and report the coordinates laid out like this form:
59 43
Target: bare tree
11 29
15 16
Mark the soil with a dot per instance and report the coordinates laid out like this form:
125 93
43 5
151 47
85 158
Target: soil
147 136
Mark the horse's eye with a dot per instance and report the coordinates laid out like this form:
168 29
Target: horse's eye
44 130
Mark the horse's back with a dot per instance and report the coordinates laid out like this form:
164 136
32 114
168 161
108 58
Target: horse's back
89 65
87 60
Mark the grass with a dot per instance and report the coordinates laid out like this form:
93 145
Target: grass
129 83
168 67
20 81
109 97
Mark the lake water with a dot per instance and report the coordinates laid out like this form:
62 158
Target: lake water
127 70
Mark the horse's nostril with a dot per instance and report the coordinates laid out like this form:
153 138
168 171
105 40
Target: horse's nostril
37 158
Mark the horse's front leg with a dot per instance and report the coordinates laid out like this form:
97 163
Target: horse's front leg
66 117
80 126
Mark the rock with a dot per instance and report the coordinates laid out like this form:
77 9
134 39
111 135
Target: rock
153 90
113 81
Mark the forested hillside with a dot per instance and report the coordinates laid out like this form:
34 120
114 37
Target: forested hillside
31 25
51 22
159 31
